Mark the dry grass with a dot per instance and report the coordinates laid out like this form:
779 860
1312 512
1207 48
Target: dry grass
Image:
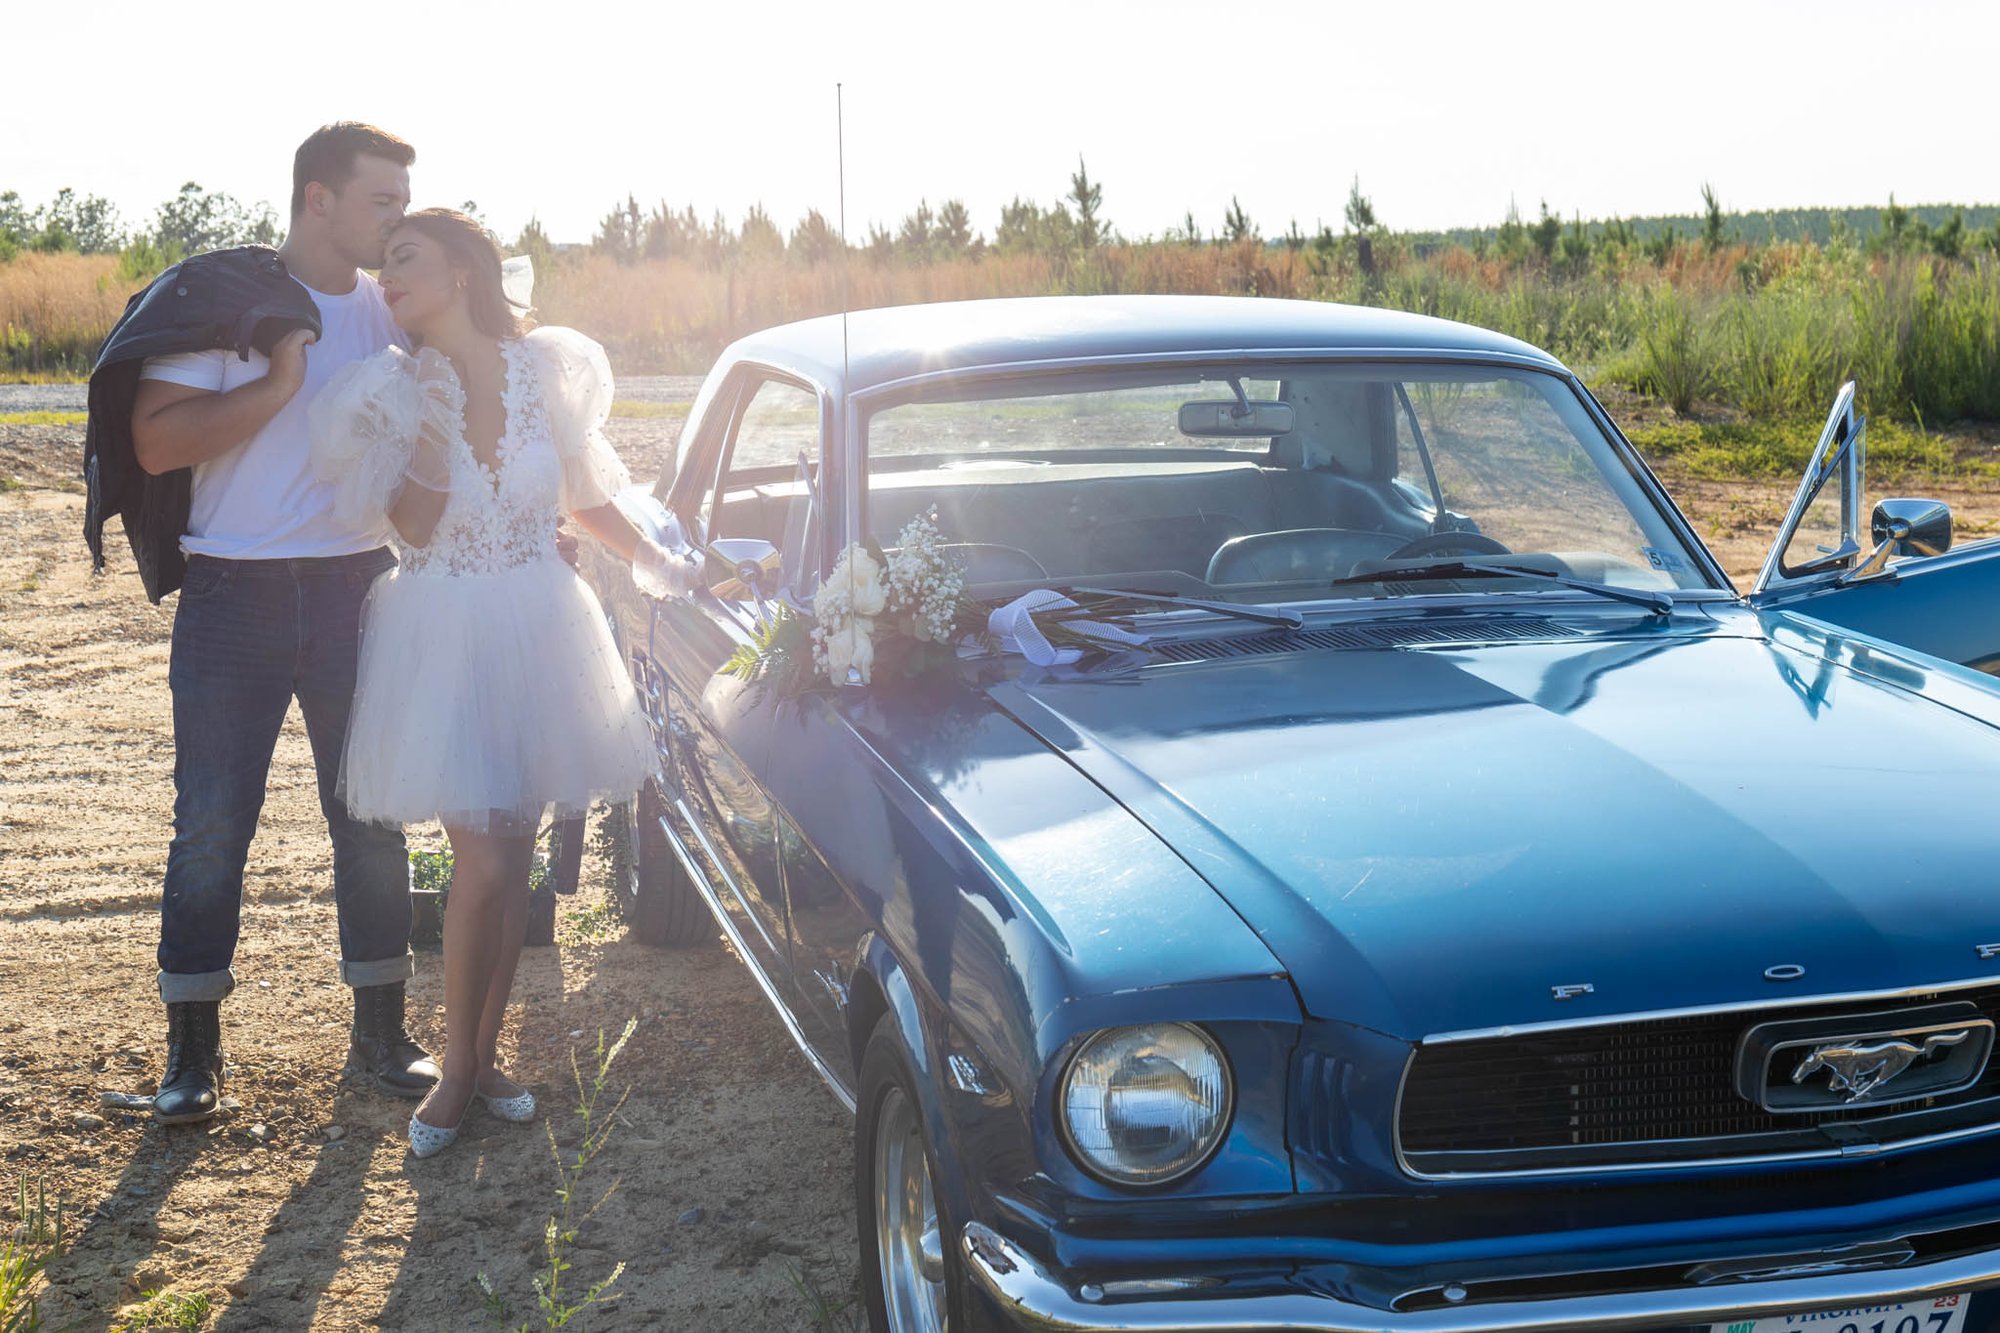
1770 330
56 309
674 315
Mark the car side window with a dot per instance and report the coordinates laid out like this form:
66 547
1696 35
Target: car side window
757 493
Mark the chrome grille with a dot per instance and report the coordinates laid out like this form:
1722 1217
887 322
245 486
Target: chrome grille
1641 1093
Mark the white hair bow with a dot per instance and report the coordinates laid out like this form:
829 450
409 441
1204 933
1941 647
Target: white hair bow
517 281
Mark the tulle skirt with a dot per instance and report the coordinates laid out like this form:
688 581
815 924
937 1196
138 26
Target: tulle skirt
485 699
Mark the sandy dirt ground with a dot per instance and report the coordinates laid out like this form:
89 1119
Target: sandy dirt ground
299 1208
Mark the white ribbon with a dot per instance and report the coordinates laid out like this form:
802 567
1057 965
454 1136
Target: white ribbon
517 281
1013 627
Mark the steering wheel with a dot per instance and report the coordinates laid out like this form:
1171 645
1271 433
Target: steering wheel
1449 543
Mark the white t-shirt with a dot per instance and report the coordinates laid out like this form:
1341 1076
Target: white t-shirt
260 501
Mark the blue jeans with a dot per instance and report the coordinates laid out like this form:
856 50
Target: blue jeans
249 636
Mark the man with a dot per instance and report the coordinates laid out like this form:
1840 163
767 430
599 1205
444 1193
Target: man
270 610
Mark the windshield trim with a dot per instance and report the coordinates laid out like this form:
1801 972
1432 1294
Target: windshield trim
1649 481
890 393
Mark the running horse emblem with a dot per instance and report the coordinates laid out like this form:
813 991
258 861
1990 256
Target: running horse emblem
1859 1070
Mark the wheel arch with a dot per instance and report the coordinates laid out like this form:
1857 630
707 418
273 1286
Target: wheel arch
879 987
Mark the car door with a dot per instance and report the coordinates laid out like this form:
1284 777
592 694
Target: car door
827 924
720 726
1901 579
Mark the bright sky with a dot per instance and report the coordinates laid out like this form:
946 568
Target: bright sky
1445 110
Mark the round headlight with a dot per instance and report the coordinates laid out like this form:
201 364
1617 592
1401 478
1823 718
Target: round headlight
1146 1105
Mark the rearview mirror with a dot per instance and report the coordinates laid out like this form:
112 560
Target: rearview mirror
1233 420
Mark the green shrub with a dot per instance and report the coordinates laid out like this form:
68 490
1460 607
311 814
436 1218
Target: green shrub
1951 352
145 259
1676 359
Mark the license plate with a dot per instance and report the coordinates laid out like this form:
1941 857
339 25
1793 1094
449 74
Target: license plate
1943 1314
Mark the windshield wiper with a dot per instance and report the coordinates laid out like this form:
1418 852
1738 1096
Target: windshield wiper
1659 603
1284 619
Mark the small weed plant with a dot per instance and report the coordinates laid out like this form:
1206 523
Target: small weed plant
179 1311
827 1314
558 1301
35 1242
597 921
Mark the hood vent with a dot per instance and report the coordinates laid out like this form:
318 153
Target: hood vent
1388 634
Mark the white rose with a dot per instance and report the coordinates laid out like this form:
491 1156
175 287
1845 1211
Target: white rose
852 646
864 583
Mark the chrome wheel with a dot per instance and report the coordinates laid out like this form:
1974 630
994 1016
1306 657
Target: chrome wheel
908 1243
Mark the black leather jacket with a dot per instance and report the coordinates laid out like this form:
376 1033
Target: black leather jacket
241 299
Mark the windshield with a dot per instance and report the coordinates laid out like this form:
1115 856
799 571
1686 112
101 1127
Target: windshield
1362 470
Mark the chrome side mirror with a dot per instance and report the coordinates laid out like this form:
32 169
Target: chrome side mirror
751 566
1917 527
1904 527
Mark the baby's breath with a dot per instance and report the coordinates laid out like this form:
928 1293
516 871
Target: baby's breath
917 585
925 582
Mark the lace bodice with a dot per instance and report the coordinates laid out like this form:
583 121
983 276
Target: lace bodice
499 517
552 456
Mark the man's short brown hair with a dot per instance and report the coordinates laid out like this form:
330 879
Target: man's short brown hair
328 154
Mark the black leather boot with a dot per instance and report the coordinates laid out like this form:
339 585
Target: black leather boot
191 1089
383 1049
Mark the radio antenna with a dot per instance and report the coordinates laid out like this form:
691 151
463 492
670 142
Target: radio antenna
854 674
840 158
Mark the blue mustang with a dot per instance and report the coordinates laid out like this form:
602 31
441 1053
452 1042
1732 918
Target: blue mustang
1465 911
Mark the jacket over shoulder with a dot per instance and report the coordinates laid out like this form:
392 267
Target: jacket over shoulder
241 299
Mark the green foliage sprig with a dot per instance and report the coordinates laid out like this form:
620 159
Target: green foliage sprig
24 1256
557 1304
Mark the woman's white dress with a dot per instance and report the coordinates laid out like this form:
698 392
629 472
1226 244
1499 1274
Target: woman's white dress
490 688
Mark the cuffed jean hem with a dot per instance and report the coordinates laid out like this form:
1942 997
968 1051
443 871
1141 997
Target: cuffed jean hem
381 972
185 987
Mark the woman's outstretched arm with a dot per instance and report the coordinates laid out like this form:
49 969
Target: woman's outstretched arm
609 525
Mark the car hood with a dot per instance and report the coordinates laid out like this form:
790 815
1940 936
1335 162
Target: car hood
1435 840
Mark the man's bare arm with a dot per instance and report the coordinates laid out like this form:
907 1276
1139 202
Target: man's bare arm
174 426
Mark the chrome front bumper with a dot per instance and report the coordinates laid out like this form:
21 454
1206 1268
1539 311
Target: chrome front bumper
1035 1299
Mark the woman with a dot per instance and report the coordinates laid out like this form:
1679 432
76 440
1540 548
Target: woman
489 688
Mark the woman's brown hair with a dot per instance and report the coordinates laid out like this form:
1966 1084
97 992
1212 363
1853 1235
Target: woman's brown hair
468 246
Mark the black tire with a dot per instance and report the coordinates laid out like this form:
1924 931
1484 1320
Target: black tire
885 1075
660 902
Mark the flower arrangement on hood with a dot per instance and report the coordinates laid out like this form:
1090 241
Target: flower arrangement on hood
844 609
916 587
903 610
907 605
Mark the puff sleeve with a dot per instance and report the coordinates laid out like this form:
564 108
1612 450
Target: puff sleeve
362 427
576 381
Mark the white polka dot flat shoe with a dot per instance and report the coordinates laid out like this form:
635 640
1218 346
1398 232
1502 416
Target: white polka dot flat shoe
429 1140
518 1109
